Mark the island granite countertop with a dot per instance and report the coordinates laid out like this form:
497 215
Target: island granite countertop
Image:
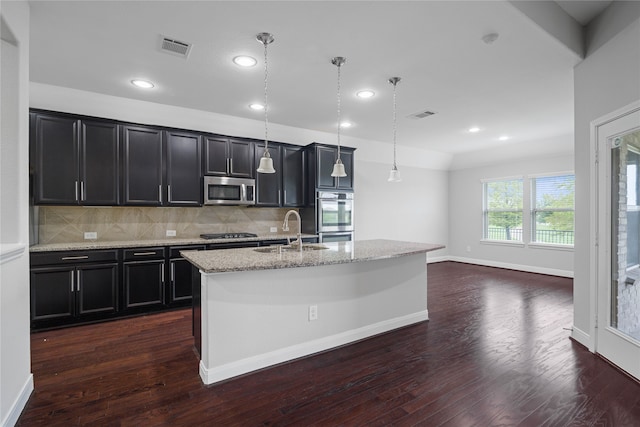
245 259
170 241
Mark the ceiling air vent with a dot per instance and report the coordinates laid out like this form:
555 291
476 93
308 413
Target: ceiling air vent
421 114
175 47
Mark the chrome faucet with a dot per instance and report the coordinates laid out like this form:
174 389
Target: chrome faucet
285 226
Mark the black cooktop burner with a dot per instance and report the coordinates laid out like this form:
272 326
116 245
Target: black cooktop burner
227 235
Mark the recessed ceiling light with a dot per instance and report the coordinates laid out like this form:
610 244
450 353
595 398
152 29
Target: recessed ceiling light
345 125
256 106
144 84
474 129
365 94
245 61
503 138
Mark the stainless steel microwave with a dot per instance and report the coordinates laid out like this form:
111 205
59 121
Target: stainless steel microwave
221 190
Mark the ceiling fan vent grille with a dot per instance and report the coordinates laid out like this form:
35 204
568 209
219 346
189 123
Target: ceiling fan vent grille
175 47
421 114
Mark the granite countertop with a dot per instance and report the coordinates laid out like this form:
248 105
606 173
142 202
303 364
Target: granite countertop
170 241
244 259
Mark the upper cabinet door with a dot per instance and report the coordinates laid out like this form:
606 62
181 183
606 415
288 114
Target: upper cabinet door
241 158
326 157
142 166
216 156
346 182
184 163
99 165
55 152
268 185
293 177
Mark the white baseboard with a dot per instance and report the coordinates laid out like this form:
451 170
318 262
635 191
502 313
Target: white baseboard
431 259
21 401
519 267
581 337
239 367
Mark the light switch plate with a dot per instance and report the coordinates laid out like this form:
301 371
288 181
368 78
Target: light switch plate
171 233
88 235
274 229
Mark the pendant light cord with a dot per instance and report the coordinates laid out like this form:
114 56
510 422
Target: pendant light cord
266 104
394 126
339 65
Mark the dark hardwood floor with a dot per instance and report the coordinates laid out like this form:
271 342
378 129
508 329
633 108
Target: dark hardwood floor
495 352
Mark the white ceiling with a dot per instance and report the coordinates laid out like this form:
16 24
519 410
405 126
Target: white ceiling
520 86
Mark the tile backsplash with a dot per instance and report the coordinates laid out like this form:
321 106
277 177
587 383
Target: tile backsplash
67 224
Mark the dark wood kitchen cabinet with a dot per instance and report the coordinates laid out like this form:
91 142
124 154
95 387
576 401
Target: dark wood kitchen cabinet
293 176
320 161
228 156
269 185
143 278
73 287
142 161
74 160
184 169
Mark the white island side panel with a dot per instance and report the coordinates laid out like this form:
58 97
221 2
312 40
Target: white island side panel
255 319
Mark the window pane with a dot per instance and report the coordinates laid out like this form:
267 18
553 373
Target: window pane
504 226
504 194
554 192
554 227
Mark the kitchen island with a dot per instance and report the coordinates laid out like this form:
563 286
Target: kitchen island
258 307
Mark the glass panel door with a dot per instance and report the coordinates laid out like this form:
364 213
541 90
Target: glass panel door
618 324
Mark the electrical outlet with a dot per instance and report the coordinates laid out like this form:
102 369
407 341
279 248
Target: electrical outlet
274 229
89 235
313 312
171 233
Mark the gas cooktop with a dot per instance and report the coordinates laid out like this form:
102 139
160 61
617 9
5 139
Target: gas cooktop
227 235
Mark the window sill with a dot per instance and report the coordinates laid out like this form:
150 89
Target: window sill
555 247
502 243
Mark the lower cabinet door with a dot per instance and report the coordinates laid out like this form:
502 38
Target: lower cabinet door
180 280
97 289
52 293
143 283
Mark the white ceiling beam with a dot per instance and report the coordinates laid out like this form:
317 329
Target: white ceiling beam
556 22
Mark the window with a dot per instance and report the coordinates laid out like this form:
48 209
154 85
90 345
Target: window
503 210
552 201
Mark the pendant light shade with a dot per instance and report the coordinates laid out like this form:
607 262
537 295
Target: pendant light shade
338 167
394 174
266 162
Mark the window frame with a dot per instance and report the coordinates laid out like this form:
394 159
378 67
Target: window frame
533 210
485 211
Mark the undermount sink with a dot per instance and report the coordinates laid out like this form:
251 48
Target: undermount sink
277 249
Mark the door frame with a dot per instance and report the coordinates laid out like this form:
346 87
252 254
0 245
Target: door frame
600 232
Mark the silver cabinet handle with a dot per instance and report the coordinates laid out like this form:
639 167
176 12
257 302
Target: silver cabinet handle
73 281
162 273
82 191
173 272
168 193
143 253
76 189
231 165
67 258
78 281
160 192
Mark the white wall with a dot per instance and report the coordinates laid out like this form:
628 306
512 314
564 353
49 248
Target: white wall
465 219
413 210
16 381
607 80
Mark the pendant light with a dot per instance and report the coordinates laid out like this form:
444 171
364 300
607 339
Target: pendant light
394 174
338 168
266 162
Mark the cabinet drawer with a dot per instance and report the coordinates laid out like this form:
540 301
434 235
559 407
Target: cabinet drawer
73 257
174 251
142 254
